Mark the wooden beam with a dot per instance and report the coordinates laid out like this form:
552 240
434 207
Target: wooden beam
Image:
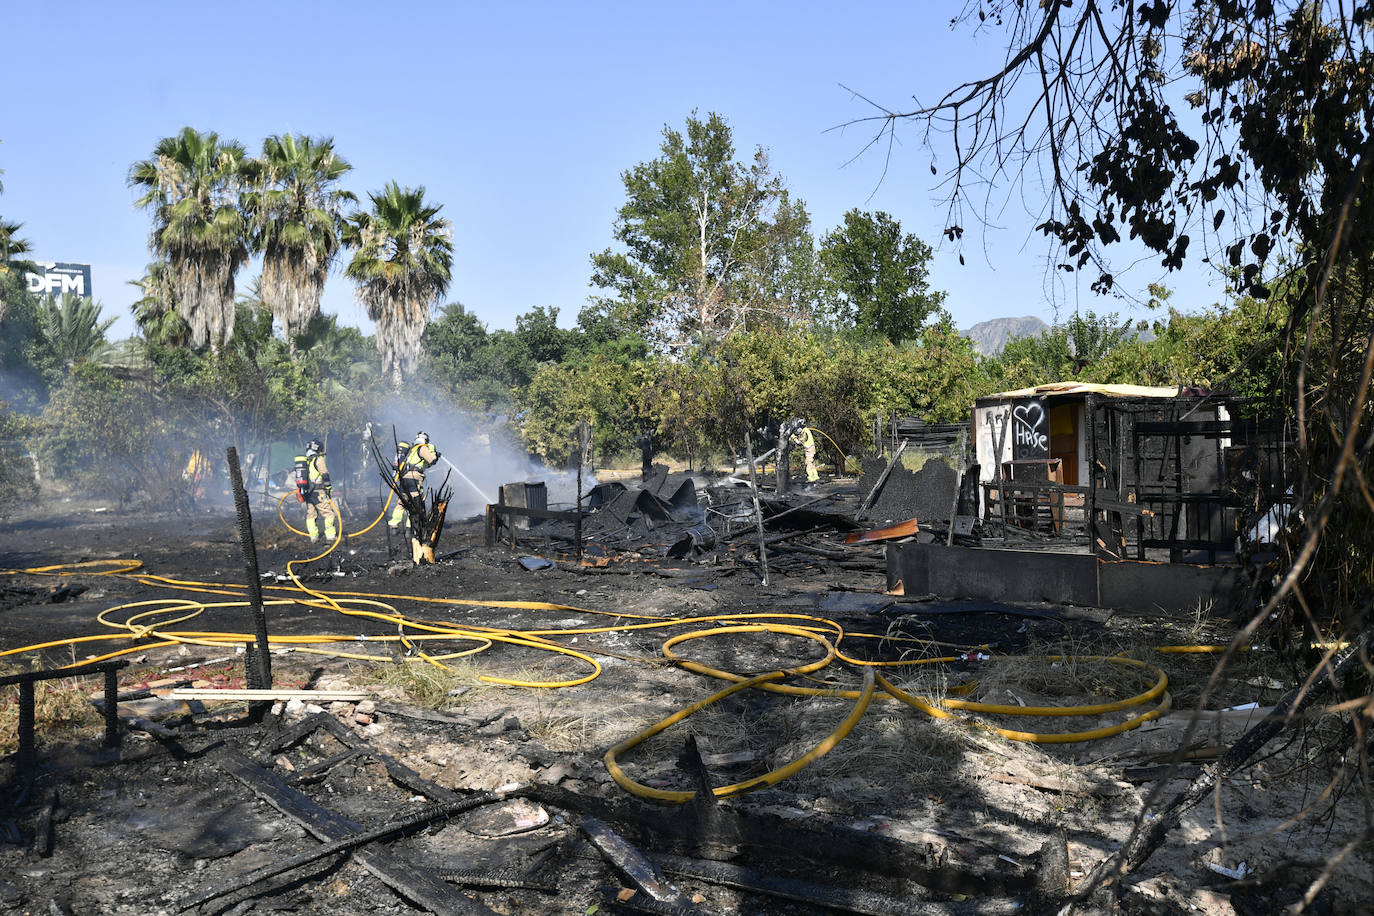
419 885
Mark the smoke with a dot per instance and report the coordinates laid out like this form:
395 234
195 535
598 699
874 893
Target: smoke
480 449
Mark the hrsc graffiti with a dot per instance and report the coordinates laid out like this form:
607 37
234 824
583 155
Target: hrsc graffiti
1029 434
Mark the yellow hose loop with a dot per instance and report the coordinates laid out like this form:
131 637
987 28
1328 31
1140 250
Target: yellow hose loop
749 785
77 569
1107 731
700 668
380 515
1160 685
337 515
899 663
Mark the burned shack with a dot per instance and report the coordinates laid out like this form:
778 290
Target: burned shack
1113 495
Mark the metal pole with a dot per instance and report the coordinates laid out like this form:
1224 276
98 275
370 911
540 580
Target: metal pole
250 567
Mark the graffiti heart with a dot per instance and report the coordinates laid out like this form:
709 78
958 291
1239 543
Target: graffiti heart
1028 423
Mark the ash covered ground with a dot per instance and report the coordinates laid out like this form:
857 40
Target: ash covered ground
922 815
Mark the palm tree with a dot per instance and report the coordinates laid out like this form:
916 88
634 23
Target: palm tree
193 184
401 262
10 243
73 328
295 213
155 312
10 247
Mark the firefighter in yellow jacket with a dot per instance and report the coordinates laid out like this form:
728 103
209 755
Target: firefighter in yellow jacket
412 460
807 440
314 489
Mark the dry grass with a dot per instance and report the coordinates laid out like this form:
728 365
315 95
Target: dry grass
428 685
61 708
894 751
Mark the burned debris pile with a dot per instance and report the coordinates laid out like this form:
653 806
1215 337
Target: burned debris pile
932 495
676 520
327 809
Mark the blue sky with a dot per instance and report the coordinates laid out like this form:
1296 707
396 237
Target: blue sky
517 118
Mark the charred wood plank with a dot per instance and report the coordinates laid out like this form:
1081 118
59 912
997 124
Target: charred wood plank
827 897
424 715
499 879
303 729
43 838
522 512
882 478
624 900
399 773
318 770
940 867
419 885
631 864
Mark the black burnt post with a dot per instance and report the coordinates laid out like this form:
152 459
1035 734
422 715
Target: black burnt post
260 664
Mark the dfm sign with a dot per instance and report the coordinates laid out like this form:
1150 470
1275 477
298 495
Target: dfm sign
55 278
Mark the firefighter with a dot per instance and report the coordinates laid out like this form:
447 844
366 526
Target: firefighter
807 440
412 460
314 489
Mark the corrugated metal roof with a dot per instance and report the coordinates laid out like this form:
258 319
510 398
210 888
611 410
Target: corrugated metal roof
1113 391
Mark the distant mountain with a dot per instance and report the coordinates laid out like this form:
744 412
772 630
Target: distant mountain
989 337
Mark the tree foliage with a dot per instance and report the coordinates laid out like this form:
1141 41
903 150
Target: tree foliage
192 186
74 329
296 207
402 258
881 276
1270 172
155 312
28 364
709 244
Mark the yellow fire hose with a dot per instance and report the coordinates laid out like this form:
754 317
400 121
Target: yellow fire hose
138 622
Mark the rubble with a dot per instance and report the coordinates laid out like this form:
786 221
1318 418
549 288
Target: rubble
909 814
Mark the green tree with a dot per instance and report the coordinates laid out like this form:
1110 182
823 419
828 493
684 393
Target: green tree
73 328
192 185
402 261
1214 348
12 248
602 387
881 275
705 240
339 355
17 483
539 333
115 439
155 311
1272 172
296 211
28 365
1074 349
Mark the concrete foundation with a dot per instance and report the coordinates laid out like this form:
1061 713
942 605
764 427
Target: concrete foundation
1057 578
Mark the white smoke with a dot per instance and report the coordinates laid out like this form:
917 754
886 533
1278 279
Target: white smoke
482 452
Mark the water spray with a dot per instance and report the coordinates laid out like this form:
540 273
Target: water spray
485 498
